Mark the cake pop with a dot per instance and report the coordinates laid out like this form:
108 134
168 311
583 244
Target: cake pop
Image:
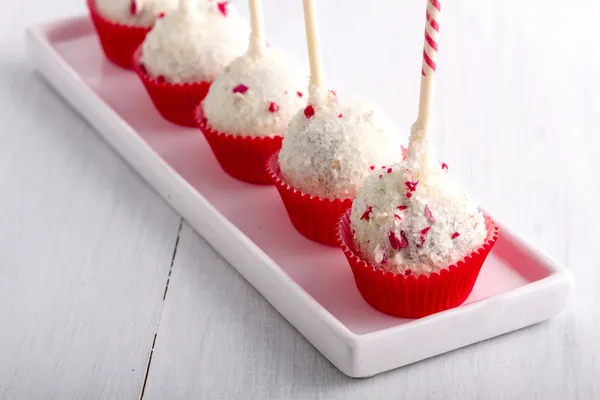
414 240
327 151
332 145
259 92
185 51
412 217
122 25
194 43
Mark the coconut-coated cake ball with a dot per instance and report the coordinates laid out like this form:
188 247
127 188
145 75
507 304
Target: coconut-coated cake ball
135 12
330 147
410 227
257 95
195 42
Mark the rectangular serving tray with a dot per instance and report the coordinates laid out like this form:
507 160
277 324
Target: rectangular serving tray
309 284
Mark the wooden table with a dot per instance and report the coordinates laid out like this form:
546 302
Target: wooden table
106 293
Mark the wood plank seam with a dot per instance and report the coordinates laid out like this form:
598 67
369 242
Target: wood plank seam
161 309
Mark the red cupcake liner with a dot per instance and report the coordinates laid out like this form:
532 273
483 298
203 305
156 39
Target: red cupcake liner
242 157
176 102
409 296
314 217
118 41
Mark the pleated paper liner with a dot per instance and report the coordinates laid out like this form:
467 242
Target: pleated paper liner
242 157
409 296
119 42
176 102
314 217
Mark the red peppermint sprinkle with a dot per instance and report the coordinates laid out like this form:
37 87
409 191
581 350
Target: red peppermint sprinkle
404 152
380 176
241 88
402 208
445 166
425 231
273 107
333 92
340 115
404 242
408 272
455 235
411 186
398 243
133 7
223 7
372 167
160 79
409 195
161 15
309 112
394 241
428 214
299 94
389 170
398 217
366 215
384 261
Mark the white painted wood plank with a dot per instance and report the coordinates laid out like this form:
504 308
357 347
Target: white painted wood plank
85 245
218 338
86 248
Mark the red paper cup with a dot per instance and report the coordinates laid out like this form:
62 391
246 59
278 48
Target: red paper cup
243 157
409 296
312 216
118 41
176 102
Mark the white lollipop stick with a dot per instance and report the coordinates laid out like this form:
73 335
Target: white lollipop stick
257 37
316 69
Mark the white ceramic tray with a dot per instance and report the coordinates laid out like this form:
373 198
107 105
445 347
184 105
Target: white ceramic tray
309 284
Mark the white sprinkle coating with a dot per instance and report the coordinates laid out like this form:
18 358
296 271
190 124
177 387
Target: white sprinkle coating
397 239
195 43
270 77
329 154
147 11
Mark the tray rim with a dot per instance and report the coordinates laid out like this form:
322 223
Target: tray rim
342 347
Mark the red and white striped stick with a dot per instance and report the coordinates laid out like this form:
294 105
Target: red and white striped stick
430 48
418 144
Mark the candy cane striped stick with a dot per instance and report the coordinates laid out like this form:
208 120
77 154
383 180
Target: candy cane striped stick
418 144
430 48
